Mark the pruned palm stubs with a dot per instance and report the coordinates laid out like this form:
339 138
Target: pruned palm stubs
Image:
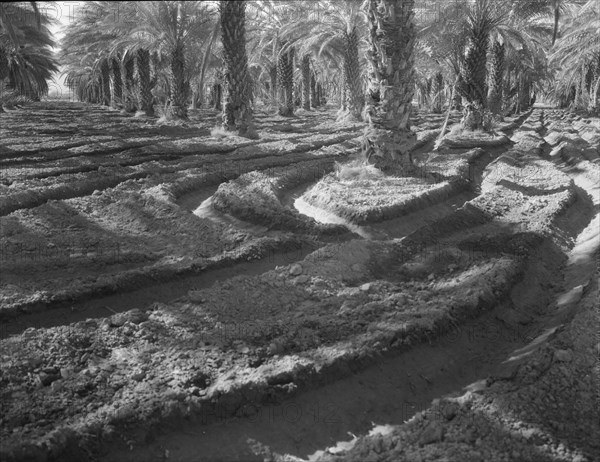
178 84
387 138
497 77
237 111
353 83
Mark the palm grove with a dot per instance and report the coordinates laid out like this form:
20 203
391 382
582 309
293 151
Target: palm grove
373 59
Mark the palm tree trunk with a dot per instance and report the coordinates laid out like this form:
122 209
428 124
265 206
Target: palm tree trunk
313 91
497 77
556 5
306 82
457 99
179 87
273 75
286 81
524 93
217 90
205 57
4 71
105 75
3 64
319 94
437 87
387 138
595 96
237 111
144 85
352 75
473 71
117 97
129 71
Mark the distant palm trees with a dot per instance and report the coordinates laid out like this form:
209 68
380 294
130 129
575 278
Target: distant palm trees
335 27
490 56
133 32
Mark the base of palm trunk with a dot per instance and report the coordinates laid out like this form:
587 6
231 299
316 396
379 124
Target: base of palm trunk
388 150
178 112
476 117
239 121
346 115
286 111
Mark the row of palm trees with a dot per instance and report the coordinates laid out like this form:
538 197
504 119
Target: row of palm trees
328 39
485 55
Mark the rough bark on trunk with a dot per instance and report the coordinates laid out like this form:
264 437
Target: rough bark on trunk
319 94
273 75
524 93
352 75
117 97
286 82
457 99
105 77
217 90
4 71
437 87
306 82
387 138
473 70
129 76
237 111
179 87
313 91
3 64
144 84
496 93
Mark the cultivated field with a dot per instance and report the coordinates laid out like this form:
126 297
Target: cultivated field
167 292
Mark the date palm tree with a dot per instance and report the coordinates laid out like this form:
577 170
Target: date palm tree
276 47
339 27
482 17
387 138
237 113
26 60
85 51
163 27
168 27
576 55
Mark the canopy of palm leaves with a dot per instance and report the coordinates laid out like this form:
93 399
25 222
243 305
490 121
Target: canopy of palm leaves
26 58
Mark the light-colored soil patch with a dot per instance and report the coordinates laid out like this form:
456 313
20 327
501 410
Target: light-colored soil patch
363 201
